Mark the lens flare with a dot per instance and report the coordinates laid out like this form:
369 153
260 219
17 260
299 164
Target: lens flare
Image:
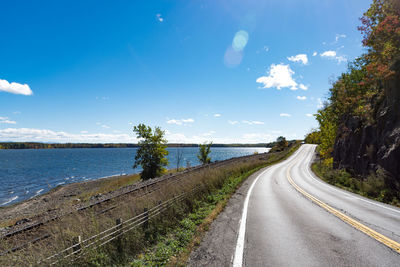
232 57
240 40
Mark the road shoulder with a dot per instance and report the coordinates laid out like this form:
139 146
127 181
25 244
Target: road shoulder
218 245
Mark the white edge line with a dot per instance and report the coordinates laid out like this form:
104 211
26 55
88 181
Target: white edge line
238 256
342 191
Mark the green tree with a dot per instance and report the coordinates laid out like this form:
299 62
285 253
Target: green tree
152 151
204 151
314 137
282 143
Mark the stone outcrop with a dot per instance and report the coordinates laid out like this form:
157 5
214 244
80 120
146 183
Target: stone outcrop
362 147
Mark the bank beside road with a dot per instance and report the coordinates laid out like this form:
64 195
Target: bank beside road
293 218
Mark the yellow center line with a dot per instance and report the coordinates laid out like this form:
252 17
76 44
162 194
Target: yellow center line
359 226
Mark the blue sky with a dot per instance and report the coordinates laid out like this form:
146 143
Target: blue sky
221 71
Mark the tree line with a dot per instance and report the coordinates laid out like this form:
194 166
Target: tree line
38 145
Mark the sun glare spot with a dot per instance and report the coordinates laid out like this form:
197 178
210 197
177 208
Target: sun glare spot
240 40
232 57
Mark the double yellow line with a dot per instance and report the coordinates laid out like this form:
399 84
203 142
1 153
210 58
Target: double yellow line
359 226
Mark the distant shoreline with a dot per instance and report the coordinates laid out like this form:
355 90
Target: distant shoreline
37 145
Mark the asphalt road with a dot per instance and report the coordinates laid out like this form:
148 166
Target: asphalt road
305 222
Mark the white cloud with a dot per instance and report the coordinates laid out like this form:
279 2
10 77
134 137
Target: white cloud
159 17
43 135
180 122
330 54
6 120
285 115
320 103
217 115
303 87
253 122
105 126
233 122
279 76
309 115
15 88
299 58
301 97
84 132
314 54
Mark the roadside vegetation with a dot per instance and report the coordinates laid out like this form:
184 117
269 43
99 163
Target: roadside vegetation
373 186
204 151
355 99
152 152
165 239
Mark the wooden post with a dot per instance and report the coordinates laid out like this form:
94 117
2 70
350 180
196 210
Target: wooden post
146 224
118 222
77 241
146 220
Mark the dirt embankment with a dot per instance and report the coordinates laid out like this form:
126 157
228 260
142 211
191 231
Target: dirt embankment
61 200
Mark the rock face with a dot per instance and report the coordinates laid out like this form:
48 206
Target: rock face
362 148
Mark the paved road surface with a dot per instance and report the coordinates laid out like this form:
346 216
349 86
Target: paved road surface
284 227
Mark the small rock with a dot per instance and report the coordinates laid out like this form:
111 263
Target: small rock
24 220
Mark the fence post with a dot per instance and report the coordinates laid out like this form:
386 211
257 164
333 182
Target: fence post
146 223
146 220
77 241
118 222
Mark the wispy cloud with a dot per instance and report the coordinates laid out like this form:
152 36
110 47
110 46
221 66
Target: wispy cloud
217 115
233 122
320 104
180 122
15 88
279 76
338 36
6 120
253 122
299 58
209 133
159 17
301 97
44 135
309 115
314 54
285 115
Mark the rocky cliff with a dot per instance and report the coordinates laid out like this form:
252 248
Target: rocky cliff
362 147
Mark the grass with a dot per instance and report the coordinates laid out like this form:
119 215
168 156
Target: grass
169 237
373 186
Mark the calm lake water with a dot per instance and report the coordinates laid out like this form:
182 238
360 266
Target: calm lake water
29 172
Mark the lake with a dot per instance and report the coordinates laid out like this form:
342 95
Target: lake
26 173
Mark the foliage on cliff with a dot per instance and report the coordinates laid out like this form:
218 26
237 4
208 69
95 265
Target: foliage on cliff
359 125
358 91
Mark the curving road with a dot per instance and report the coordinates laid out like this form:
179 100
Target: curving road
289 217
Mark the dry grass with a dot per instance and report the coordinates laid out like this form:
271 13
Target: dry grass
93 221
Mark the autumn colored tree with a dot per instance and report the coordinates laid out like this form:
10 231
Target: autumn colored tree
355 91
